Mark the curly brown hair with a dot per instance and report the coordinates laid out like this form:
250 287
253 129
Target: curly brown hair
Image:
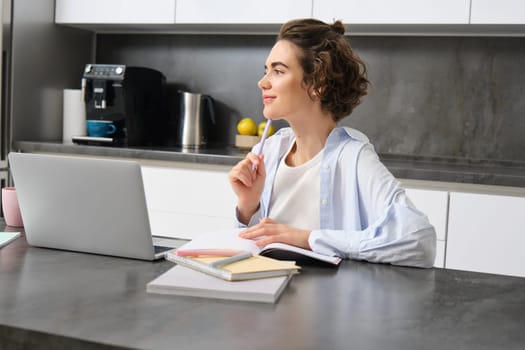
332 70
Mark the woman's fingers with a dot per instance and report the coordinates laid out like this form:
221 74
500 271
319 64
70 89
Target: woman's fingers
247 170
265 227
242 173
269 231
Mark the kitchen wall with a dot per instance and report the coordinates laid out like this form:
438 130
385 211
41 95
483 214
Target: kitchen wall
453 97
46 59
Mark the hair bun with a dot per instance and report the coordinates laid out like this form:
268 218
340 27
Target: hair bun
338 27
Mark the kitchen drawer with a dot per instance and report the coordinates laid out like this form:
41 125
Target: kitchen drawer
189 191
183 225
485 234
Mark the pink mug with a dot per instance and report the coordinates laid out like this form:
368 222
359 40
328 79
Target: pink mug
10 207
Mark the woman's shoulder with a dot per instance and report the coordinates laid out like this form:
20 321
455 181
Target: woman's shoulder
355 134
345 139
356 144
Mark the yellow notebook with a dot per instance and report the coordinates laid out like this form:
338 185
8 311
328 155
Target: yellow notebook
252 268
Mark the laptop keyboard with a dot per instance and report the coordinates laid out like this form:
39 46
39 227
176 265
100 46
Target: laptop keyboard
161 249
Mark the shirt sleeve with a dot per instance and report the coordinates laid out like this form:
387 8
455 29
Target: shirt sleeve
394 231
256 217
400 238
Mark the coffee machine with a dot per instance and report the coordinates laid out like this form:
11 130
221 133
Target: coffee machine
133 99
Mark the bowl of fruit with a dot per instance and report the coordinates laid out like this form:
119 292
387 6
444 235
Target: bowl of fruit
249 133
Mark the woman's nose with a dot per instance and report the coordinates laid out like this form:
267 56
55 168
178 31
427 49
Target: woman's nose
263 84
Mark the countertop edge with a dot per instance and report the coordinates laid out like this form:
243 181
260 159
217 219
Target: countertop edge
404 169
189 156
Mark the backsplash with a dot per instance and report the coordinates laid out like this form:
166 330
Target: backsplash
451 97
445 97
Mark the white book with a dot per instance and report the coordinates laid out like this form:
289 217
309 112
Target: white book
180 280
229 239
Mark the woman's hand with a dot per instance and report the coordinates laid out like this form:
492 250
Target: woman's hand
247 181
269 231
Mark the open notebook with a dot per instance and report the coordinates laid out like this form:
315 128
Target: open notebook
229 239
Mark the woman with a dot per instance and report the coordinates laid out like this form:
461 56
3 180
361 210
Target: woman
316 185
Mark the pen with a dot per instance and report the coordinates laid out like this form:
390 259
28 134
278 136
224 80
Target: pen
231 259
264 136
207 252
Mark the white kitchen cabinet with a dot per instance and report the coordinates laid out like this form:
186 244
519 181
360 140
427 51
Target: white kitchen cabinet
497 12
239 11
115 11
393 12
434 204
486 233
373 17
185 200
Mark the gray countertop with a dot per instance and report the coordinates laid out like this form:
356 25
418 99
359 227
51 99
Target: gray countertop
486 172
53 299
217 156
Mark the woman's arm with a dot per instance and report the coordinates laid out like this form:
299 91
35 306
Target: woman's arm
392 229
402 236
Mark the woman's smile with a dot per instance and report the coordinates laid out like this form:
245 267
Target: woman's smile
268 99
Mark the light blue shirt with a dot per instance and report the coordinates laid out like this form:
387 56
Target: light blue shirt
364 213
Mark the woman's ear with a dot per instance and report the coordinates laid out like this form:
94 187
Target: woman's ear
315 94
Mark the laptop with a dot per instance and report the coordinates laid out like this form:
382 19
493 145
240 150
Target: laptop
84 204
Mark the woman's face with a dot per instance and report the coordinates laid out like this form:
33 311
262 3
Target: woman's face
283 91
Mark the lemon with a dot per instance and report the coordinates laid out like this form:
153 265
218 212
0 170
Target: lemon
247 127
262 126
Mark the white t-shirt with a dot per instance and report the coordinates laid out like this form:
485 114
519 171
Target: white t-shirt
296 193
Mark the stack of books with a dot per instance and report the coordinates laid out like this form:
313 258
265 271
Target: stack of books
249 274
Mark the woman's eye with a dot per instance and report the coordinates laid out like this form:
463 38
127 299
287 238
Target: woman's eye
273 71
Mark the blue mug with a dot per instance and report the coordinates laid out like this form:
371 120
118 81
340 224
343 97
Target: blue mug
100 128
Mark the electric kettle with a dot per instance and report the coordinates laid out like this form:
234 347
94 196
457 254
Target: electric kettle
196 114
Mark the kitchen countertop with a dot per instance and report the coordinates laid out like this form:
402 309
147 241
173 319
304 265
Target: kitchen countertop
52 299
214 156
485 172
